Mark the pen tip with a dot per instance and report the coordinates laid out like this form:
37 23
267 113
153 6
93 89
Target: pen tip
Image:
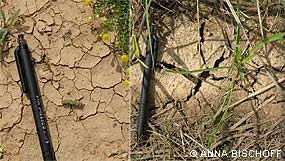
21 36
21 39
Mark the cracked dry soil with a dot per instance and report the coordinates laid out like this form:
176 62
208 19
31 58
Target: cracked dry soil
201 98
70 64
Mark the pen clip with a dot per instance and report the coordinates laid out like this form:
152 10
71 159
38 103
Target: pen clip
20 71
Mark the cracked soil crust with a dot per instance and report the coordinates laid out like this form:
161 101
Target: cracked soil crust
70 64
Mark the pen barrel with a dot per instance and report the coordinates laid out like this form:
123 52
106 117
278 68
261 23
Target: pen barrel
36 102
144 95
150 60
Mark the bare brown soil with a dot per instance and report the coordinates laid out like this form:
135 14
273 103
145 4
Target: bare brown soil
71 63
179 105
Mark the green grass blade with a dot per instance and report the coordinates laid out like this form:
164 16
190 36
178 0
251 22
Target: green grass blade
228 101
142 63
183 72
3 34
13 18
147 5
265 41
241 71
135 51
135 47
238 52
215 116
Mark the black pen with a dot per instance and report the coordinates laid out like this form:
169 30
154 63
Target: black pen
30 86
150 60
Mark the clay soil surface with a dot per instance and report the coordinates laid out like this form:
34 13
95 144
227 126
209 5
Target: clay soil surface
71 63
179 105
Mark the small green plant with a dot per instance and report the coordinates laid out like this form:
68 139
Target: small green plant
114 17
72 103
238 64
7 26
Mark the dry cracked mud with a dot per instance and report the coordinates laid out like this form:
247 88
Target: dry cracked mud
71 63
